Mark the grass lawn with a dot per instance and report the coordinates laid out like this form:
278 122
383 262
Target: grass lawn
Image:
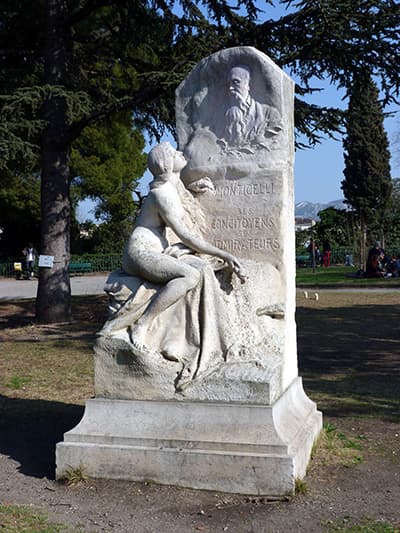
349 352
349 358
339 275
348 345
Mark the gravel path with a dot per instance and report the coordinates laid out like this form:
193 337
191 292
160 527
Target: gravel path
12 289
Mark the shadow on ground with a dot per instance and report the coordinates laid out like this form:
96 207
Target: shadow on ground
89 312
30 429
349 358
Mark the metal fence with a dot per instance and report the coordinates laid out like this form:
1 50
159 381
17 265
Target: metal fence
7 268
339 256
98 262
110 262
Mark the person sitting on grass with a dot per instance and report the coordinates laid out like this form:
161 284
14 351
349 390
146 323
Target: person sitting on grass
393 266
374 268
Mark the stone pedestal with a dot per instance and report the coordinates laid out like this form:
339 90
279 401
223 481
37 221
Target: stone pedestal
210 397
229 447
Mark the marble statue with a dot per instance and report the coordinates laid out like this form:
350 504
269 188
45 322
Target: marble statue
196 375
181 272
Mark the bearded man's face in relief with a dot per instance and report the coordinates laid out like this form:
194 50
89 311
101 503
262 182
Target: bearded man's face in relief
239 85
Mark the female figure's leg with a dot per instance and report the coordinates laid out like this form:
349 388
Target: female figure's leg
178 278
175 277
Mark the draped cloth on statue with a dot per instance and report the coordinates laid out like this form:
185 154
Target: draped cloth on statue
194 331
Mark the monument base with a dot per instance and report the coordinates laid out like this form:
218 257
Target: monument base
238 448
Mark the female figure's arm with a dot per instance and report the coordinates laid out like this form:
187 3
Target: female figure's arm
170 209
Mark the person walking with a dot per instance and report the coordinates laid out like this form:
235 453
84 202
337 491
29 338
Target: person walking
30 254
326 253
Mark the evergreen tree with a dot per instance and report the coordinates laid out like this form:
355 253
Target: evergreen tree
333 226
106 161
392 239
68 63
328 40
367 185
19 212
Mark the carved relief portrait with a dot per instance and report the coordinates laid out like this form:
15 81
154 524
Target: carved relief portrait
229 117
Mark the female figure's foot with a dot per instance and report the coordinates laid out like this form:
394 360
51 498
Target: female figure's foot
139 348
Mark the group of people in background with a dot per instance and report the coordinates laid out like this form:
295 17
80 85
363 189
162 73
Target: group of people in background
379 265
317 257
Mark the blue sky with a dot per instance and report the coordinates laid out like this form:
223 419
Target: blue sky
318 170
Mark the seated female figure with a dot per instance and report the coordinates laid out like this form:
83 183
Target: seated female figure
149 256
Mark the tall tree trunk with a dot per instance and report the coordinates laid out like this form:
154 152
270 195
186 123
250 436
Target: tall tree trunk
357 244
363 250
53 303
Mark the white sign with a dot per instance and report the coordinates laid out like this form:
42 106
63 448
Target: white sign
46 261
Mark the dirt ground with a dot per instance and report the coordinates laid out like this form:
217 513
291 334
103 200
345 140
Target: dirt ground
356 385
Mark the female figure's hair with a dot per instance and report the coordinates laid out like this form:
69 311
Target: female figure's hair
160 159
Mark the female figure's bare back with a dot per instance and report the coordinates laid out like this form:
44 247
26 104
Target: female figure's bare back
147 251
144 254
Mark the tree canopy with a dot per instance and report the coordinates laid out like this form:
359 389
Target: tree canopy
19 212
392 239
367 184
106 161
333 227
132 54
67 64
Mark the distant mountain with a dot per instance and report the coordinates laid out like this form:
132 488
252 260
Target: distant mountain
310 210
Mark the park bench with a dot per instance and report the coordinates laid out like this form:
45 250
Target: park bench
302 260
80 268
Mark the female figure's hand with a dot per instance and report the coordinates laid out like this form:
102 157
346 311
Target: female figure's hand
235 267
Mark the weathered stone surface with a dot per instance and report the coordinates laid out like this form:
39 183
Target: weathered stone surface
246 449
245 213
251 213
205 393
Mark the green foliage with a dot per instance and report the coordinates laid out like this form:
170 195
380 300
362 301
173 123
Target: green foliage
75 476
17 382
369 526
392 237
23 519
367 185
300 486
130 55
107 160
21 122
338 275
19 212
106 238
333 226
302 240
330 40
334 448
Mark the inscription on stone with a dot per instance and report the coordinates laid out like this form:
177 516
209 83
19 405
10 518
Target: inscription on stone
241 245
243 222
250 189
245 216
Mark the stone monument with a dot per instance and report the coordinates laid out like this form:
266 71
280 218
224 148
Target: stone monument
196 368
